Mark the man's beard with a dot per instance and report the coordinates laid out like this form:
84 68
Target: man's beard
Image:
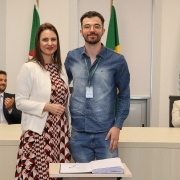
2 90
93 41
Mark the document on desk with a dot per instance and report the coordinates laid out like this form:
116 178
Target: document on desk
105 166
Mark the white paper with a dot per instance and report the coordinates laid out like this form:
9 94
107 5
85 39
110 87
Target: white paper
75 168
105 166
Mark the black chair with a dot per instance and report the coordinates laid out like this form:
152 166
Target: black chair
171 101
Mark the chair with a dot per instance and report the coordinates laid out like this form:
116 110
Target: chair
171 101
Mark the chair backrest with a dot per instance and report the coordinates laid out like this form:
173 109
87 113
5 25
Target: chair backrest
171 101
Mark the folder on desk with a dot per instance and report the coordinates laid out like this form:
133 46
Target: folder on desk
105 166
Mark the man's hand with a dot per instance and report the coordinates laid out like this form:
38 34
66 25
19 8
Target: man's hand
113 133
9 103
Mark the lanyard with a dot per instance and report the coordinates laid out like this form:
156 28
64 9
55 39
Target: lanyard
93 70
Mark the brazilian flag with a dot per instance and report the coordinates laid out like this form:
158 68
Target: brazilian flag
112 40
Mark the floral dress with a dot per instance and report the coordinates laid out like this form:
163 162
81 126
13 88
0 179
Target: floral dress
37 151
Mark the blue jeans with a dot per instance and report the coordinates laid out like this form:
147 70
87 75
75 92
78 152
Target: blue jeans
86 147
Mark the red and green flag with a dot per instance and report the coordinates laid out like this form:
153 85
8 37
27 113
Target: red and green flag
112 40
35 25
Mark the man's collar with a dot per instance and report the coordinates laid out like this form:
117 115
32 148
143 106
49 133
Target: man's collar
101 54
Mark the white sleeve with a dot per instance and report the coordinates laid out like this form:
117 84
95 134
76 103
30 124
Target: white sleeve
176 114
24 86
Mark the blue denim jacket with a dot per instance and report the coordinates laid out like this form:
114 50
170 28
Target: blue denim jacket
97 114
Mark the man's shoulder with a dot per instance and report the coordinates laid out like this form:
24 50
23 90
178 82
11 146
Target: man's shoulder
111 52
76 51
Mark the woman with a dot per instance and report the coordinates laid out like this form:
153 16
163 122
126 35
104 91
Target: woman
42 96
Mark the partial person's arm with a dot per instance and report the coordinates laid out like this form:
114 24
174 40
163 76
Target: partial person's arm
176 114
122 81
25 86
28 103
55 109
114 133
11 113
67 67
9 104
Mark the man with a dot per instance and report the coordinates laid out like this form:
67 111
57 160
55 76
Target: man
8 112
96 72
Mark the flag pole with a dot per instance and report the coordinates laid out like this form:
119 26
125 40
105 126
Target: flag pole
37 1
111 6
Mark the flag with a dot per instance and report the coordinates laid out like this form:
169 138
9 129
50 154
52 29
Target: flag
112 40
35 25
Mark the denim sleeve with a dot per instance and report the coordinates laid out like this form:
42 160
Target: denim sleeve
122 82
67 67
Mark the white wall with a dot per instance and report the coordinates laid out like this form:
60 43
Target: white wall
16 31
3 35
166 59
134 20
15 28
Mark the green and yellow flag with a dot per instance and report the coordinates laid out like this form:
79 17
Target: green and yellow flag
35 25
112 40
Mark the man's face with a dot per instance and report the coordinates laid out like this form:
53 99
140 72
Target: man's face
3 82
92 30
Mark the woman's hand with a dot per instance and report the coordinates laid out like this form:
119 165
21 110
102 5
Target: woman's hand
55 109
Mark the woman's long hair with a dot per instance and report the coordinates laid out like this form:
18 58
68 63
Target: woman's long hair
37 51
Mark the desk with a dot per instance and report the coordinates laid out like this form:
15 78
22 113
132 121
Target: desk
9 142
54 172
150 153
2 126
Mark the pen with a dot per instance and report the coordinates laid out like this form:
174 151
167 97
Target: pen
73 165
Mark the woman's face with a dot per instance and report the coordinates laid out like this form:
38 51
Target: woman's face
48 42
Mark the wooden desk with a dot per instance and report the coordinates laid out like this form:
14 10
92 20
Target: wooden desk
2 126
150 153
9 142
55 167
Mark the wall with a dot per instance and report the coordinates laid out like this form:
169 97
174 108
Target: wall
134 32
134 20
3 34
166 59
15 28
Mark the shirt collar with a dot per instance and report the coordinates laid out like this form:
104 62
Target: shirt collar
2 94
101 54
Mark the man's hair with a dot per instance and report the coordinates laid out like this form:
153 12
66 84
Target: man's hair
3 72
91 14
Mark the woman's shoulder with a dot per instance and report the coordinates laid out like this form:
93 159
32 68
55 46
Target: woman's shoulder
30 67
31 64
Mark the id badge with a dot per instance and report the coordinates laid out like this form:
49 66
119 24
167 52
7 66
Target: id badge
89 92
